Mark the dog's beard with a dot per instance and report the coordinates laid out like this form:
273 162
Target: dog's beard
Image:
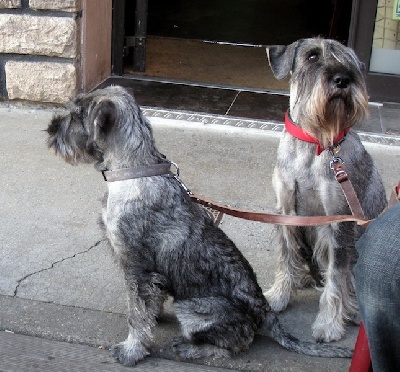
327 114
334 119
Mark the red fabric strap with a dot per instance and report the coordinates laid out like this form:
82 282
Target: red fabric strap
301 134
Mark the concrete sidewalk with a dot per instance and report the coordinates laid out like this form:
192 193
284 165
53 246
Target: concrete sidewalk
59 282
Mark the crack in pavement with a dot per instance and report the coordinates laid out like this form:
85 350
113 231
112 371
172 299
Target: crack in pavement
53 264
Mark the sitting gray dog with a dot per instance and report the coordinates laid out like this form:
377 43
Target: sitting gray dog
166 244
327 97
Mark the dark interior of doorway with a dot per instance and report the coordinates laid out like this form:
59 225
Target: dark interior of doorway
223 42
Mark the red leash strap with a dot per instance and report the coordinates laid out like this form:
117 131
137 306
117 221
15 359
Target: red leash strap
395 196
361 361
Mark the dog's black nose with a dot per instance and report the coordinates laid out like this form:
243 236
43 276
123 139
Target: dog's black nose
341 80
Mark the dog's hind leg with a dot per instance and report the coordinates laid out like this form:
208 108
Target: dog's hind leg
211 327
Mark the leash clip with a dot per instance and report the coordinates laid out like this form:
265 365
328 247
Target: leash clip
335 160
176 168
337 165
176 176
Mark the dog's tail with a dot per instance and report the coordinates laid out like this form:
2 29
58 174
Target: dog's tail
273 328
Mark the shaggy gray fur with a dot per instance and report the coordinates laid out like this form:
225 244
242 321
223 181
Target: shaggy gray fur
327 95
165 244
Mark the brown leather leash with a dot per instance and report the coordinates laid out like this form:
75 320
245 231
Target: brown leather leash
279 219
293 220
341 176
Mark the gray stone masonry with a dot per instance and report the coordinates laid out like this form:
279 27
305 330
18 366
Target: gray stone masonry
8 4
61 5
40 50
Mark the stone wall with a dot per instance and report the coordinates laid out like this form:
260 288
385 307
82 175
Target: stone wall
39 49
41 46
387 29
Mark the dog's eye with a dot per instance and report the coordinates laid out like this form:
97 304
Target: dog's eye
313 57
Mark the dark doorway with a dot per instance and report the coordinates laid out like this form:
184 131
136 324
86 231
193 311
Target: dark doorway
254 22
223 42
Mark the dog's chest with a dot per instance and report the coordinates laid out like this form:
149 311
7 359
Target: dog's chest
123 190
303 180
120 193
298 163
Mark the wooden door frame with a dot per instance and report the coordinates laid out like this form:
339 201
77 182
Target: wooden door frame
381 87
122 42
118 36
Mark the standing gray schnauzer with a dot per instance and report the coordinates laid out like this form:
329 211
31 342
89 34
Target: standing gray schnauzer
166 244
327 97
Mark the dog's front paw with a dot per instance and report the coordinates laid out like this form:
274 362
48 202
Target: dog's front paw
325 331
277 299
129 352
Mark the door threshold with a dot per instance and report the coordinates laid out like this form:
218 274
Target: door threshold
201 84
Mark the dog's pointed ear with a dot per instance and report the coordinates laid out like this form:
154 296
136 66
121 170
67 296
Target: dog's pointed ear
102 118
281 59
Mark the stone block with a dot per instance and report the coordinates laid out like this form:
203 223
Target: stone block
61 5
27 34
40 81
10 4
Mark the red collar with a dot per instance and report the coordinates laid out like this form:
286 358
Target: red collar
301 134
